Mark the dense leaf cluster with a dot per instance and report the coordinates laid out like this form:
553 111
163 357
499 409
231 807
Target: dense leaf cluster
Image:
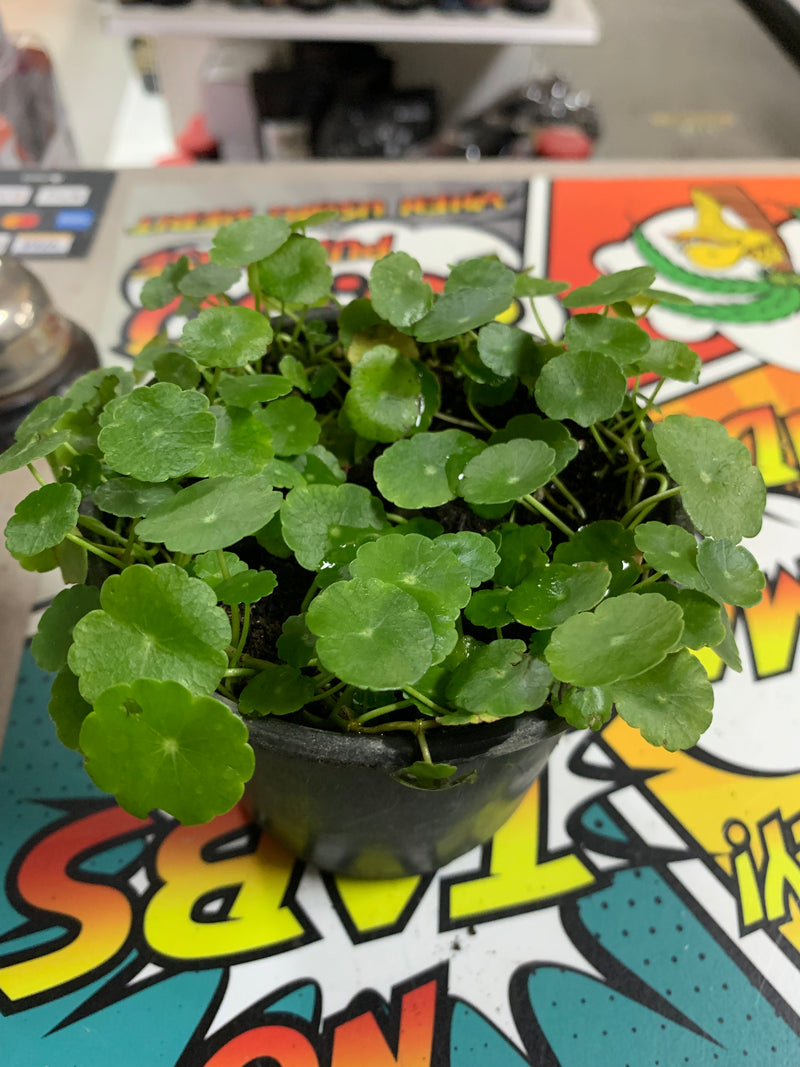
423 465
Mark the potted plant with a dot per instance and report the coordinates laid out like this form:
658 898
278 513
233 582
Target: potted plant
397 548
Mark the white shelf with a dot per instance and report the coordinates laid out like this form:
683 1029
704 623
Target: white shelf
567 22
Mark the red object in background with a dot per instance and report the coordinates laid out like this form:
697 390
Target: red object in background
18 220
563 142
193 142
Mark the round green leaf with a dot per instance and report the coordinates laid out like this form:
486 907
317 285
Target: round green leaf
672 550
489 608
583 386
731 571
247 389
131 499
208 279
623 341
226 337
42 419
276 690
297 273
24 452
499 680
506 350
702 619
371 634
426 570
385 396
605 541
208 567
525 285
155 622
477 291
177 368
414 473
211 514
296 644
670 704
521 550
247 240
162 290
535 428
319 466
399 292
294 371
156 746
247 587
67 708
586 708
53 637
293 425
625 636
42 519
507 471
553 593
477 553
671 359
156 433
313 517
429 776
723 493
242 445
611 288
98 386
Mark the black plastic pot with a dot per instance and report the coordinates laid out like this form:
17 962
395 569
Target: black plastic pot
333 801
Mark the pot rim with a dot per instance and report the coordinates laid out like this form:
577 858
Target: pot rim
393 750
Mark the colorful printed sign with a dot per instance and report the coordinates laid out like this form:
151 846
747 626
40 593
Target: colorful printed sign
640 908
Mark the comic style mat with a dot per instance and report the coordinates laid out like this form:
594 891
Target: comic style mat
640 908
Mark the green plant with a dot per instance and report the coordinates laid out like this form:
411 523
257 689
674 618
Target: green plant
409 517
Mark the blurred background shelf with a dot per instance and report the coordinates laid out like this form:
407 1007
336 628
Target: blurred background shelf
568 22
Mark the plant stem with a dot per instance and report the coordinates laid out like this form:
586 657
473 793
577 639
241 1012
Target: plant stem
253 661
413 725
36 474
377 713
327 692
458 422
572 499
423 746
539 322
532 504
77 540
638 512
425 700
242 636
600 442
478 417
307 598
212 388
254 285
239 672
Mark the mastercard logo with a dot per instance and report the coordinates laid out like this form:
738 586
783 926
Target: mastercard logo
20 220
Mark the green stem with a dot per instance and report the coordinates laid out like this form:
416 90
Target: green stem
36 474
416 695
532 504
239 672
77 540
638 512
572 499
413 726
254 284
100 528
478 417
328 692
539 322
458 422
242 636
130 544
423 746
600 442
253 661
307 598
390 515
212 387
377 713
